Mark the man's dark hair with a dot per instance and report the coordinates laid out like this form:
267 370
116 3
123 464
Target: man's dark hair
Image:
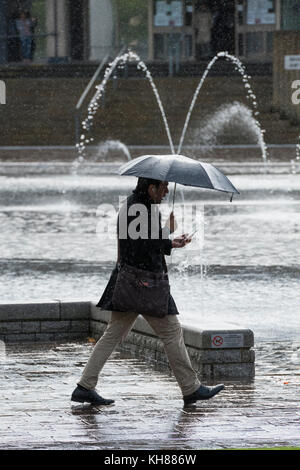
144 183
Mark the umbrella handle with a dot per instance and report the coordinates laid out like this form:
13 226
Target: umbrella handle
173 197
174 191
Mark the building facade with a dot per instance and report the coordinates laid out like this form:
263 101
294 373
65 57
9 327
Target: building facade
187 30
64 30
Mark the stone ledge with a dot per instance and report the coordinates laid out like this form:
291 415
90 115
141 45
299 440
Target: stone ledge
211 370
196 338
218 339
30 311
232 358
82 326
203 355
74 310
44 321
30 326
10 327
50 310
53 326
18 338
213 353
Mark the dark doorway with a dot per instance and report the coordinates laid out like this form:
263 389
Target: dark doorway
76 9
11 12
223 25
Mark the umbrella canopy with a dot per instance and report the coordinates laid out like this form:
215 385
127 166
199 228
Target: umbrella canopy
179 169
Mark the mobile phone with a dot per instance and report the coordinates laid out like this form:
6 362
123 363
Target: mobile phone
193 233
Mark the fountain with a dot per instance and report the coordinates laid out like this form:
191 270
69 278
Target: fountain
235 115
111 150
251 246
132 56
95 102
250 95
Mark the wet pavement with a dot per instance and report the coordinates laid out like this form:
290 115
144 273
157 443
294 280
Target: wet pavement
36 381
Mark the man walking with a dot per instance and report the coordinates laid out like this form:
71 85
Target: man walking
144 253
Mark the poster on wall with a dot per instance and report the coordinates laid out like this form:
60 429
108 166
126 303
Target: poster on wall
160 17
176 13
261 12
168 14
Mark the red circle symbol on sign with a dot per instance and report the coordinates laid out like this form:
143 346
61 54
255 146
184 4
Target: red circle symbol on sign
217 341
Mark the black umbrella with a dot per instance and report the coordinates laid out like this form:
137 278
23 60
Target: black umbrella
179 169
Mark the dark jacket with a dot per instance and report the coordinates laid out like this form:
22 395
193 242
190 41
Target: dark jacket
143 253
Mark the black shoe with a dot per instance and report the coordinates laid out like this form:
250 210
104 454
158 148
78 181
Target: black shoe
82 395
202 393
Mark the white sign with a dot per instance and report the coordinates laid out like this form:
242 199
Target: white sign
227 340
292 62
296 94
168 14
176 13
160 18
2 92
260 12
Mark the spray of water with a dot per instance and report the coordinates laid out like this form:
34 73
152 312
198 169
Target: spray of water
111 146
250 95
235 116
295 164
132 56
95 101
298 150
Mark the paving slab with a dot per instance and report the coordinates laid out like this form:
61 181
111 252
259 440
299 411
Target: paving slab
36 382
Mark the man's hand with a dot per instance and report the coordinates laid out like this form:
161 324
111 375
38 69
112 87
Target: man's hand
181 241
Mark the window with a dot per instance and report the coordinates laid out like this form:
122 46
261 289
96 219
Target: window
132 25
254 43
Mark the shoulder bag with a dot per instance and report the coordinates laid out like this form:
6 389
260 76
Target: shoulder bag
141 291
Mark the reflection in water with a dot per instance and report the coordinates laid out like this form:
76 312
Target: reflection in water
197 423
148 412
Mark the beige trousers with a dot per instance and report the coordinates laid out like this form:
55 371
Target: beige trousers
168 329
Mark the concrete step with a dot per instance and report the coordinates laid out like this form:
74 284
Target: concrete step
158 69
41 111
